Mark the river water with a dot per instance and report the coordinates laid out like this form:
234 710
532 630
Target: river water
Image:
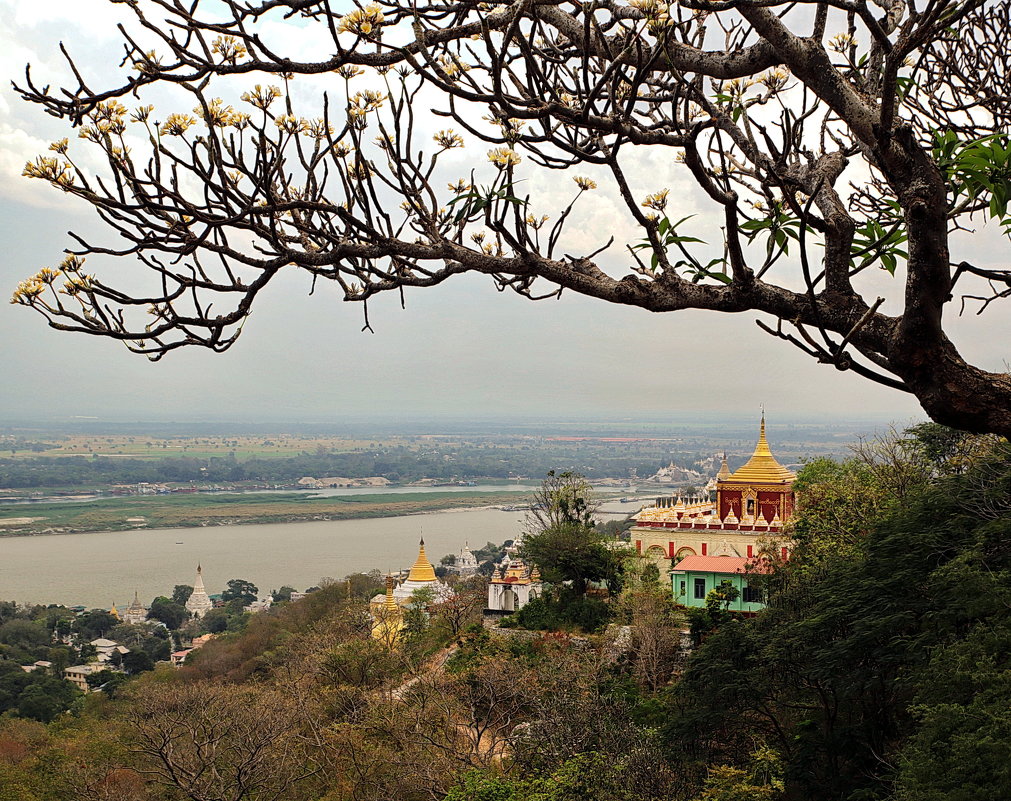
102 568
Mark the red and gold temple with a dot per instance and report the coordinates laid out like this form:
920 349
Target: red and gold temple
752 504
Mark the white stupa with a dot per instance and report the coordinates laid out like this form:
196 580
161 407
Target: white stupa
198 604
466 563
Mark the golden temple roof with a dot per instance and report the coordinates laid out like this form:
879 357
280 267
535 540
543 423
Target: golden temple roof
422 570
762 467
388 620
390 603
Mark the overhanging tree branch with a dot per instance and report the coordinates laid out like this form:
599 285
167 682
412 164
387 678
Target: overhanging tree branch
217 201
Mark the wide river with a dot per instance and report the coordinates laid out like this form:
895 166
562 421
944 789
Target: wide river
102 568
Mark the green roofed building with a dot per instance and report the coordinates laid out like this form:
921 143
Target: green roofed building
695 576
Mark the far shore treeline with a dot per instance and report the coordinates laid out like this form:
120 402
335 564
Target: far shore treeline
394 463
68 471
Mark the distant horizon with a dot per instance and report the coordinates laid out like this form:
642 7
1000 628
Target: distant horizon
455 423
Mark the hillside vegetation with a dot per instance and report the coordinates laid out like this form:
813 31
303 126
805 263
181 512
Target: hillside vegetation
880 670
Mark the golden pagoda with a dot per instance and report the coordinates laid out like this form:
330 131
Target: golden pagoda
761 468
421 576
388 620
422 570
762 487
753 502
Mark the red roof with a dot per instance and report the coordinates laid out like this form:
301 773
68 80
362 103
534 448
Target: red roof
721 564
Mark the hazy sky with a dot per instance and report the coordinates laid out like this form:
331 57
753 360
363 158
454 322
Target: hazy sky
458 349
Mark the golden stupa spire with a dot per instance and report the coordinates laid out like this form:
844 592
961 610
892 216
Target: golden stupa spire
762 448
762 467
389 619
390 604
422 570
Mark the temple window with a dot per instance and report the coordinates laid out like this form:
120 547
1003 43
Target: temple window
700 588
752 595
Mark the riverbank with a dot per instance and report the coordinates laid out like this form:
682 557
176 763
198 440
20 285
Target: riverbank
224 509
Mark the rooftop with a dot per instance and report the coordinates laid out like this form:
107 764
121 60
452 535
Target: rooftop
423 570
762 466
720 564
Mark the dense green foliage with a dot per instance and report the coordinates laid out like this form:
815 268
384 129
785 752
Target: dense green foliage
240 590
38 695
562 609
573 557
882 667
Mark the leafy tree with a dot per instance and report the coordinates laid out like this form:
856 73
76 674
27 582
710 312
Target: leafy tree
477 786
168 612
490 552
765 106
240 590
563 542
135 662
24 634
12 681
896 650
215 621
110 681
283 594
94 624
63 626
562 499
727 783
364 585
45 697
181 594
416 612
158 649
35 703
948 450
572 552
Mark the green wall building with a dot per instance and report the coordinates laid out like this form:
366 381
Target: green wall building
695 576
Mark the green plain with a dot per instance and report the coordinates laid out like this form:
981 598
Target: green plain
203 509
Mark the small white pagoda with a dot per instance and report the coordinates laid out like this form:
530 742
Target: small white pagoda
198 604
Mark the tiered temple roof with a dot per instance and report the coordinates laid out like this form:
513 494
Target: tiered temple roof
761 474
516 572
388 620
135 612
421 575
762 467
